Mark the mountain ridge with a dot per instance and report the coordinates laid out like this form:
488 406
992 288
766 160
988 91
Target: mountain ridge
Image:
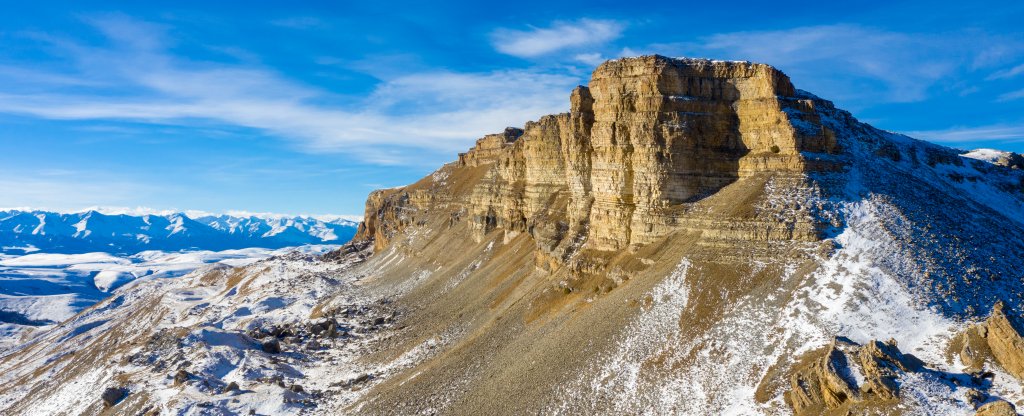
91 230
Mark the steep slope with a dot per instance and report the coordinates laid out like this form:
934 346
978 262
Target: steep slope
74 233
693 237
678 240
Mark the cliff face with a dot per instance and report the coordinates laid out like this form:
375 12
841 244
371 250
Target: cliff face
698 226
649 136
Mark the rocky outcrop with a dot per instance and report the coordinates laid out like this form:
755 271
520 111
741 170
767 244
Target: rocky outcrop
1011 160
490 147
648 137
113 395
669 131
846 376
997 340
997 408
731 187
384 217
1005 341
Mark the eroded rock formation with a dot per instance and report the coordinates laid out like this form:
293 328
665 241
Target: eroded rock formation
997 340
846 377
648 136
698 221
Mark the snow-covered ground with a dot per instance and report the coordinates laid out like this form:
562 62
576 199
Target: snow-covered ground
39 290
195 344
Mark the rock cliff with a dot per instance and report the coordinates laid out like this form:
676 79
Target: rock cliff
737 218
647 138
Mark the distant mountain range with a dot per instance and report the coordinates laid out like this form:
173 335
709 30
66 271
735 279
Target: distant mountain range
25 231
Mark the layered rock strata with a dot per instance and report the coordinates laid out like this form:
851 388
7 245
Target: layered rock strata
997 340
648 137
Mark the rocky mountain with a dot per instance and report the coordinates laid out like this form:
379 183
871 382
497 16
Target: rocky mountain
693 237
93 231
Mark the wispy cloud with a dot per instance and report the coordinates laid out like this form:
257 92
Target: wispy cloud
136 78
1007 73
960 134
299 22
1012 95
858 62
19 188
537 41
592 59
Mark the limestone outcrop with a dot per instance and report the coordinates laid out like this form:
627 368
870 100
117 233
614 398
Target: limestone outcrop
997 408
1005 341
998 339
686 229
648 137
846 375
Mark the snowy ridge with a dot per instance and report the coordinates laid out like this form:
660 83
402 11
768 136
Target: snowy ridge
122 233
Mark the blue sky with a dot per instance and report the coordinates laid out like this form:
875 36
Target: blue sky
306 107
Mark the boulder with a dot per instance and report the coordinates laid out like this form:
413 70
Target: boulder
181 377
113 395
271 346
232 386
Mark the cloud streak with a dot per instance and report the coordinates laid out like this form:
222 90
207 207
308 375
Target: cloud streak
1012 95
856 62
1007 73
537 41
996 132
135 78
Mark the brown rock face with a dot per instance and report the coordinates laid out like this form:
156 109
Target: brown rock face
650 135
997 408
848 377
997 340
971 347
1005 342
713 181
669 131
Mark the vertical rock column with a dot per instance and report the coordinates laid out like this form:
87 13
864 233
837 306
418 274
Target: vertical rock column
577 152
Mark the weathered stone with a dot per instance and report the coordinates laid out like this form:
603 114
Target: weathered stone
271 346
972 348
648 135
997 408
113 395
232 386
1005 341
181 377
881 364
826 378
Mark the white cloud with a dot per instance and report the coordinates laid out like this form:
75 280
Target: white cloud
961 134
140 81
1012 95
62 193
298 22
1007 73
855 62
592 59
560 35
